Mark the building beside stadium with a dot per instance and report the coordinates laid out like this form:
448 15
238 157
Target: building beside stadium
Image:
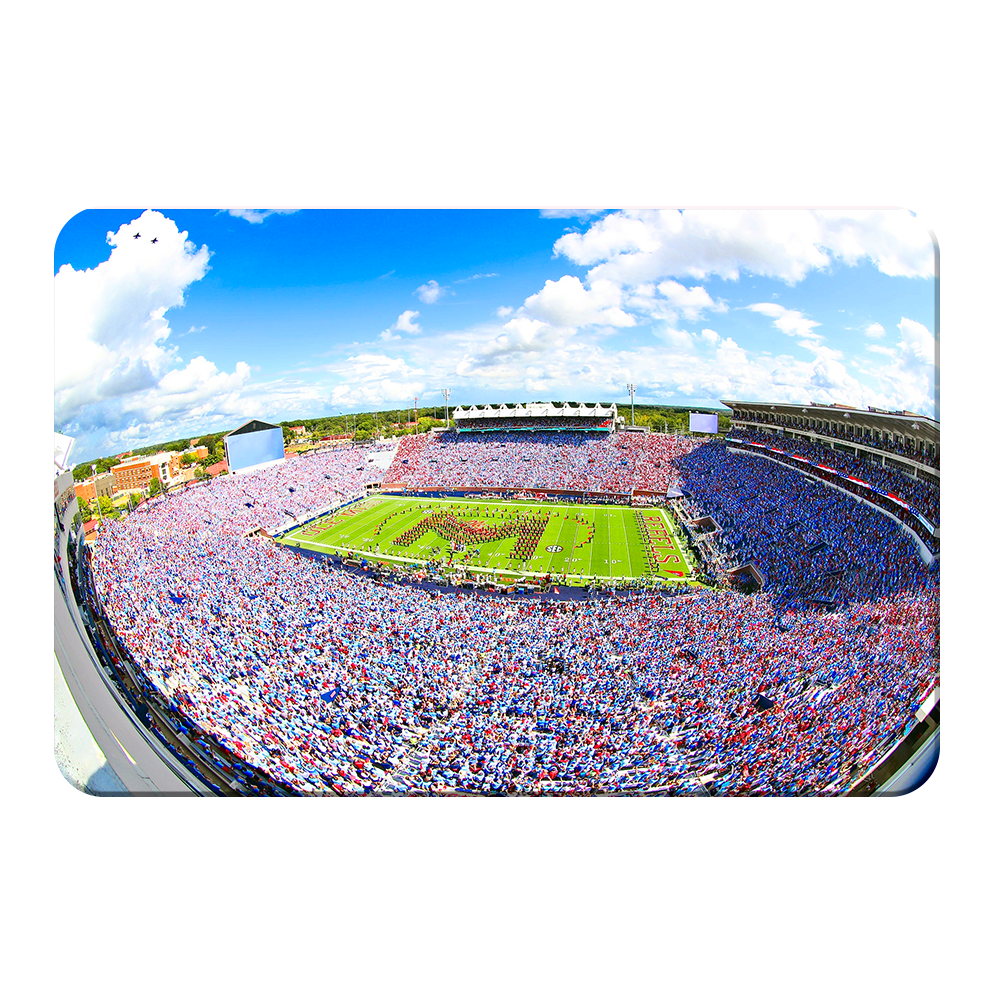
102 485
136 473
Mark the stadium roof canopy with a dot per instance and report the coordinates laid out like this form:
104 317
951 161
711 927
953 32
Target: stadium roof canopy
494 410
889 421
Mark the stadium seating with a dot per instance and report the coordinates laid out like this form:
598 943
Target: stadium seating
925 496
331 683
520 460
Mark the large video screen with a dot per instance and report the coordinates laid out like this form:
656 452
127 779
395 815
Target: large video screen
706 423
255 448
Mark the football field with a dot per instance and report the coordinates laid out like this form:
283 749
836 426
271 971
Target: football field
503 538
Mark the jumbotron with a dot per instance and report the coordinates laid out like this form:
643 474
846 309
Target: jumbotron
539 599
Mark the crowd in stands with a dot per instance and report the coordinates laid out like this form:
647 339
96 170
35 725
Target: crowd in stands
806 539
332 683
854 435
572 461
271 497
923 495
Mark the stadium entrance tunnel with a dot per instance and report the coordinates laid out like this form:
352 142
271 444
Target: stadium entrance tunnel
746 578
703 525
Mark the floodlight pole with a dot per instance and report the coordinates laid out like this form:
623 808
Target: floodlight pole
631 391
97 501
447 395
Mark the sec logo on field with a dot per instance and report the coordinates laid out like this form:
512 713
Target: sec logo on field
553 548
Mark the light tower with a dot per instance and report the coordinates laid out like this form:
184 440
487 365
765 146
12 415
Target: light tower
447 395
414 414
631 391
97 499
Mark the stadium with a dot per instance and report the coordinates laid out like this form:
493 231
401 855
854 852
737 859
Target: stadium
539 599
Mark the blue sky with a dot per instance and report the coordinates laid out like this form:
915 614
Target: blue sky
276 314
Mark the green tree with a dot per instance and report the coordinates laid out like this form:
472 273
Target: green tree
86 512
154 487
200 473
108 509
136 499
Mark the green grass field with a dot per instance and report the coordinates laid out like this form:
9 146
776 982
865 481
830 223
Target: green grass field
505 538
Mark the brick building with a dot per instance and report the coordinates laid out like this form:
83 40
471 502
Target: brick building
135 474
102 485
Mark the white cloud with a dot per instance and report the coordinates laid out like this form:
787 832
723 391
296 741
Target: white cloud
689 302
406 324
117 375
680 339
710 337
389 335
374 379
916 343
567 302
879 349
910 378
631 247
430 292
476 277
671 301
504 311
789 321
258 215
874 330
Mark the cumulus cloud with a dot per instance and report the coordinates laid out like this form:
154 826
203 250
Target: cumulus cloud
406 324
909 379
671 301
504 311
430 292
567 302
676 338
916 342
374 379
116 370
789 321
689 302
389 335
258 215
631 247
874 330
